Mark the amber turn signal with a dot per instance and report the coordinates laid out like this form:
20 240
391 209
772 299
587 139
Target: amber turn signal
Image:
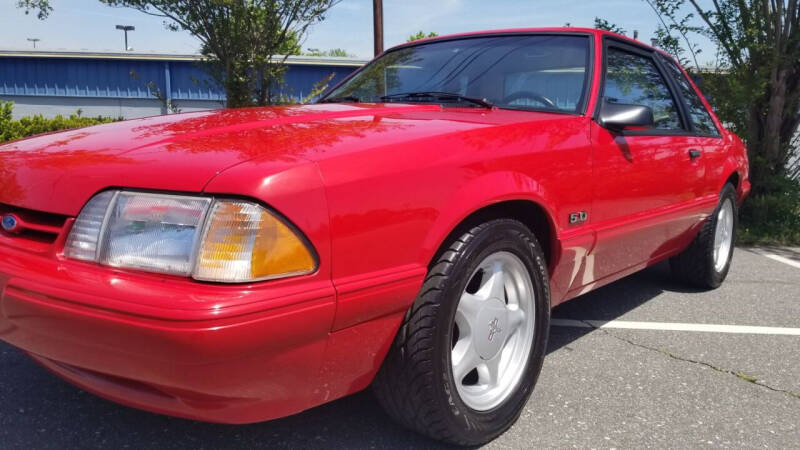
245 242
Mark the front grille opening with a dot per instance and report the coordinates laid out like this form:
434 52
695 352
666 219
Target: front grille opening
35 236
40 231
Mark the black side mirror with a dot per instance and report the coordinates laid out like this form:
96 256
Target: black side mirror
618 116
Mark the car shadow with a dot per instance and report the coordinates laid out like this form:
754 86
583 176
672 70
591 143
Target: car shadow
612 301
37 410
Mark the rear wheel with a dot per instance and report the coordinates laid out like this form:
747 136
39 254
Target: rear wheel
469 351
705 263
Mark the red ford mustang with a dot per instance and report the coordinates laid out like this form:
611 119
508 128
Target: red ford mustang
412 230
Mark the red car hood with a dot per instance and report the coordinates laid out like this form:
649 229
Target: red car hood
59 172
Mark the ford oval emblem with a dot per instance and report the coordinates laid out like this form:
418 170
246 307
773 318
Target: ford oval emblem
10 222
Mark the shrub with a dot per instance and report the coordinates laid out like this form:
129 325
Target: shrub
773 216
11 129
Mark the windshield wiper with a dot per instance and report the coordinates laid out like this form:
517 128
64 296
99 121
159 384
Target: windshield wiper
439 96
342 99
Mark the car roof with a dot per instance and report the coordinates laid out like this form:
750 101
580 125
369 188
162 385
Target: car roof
548 30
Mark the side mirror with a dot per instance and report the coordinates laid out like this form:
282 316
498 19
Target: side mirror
617 116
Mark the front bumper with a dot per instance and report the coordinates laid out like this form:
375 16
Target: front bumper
229 354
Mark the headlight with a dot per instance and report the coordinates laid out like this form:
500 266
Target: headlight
153 232
209 239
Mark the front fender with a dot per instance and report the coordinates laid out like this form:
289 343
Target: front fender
478 193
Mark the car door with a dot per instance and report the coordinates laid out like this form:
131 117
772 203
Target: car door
709 149
704 127
644 179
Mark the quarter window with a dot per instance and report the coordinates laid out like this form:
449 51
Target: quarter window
634 79
703 123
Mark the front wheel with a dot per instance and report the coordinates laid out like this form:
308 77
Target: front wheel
705 263
470 349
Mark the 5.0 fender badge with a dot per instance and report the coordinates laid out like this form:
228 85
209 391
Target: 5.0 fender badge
578 217
10 223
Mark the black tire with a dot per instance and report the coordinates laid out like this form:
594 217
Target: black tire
695 265
415 384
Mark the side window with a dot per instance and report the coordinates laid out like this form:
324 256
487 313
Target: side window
701 119
634 79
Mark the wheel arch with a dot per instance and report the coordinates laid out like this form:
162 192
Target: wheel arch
735 168
530 213
498 195
733 179
733 174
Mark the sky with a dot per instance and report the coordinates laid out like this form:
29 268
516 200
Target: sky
88 25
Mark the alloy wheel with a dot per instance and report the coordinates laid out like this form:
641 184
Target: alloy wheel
493 331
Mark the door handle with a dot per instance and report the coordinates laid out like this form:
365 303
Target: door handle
694 154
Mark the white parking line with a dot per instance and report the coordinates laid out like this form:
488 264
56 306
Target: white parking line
764 252
782 259
671 326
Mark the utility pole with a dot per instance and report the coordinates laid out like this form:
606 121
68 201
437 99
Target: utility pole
126 28
34 40
377 25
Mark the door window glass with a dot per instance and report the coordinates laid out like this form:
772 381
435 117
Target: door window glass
703 123
634 79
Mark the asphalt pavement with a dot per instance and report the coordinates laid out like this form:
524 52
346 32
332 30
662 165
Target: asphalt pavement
624 379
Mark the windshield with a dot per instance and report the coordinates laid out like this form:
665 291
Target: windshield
543 72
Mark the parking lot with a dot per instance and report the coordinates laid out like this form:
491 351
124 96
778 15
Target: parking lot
630 365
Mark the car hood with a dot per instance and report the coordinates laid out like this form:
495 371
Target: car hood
59 172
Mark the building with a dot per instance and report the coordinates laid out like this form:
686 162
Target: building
132 85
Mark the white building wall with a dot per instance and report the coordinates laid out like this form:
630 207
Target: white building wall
107 107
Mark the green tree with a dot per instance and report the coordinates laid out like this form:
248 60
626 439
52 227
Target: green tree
334 52
338 53
672 34
41 7
246 42
664 40
421 35
603 24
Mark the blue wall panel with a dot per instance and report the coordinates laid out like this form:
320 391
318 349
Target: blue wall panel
300 80
79 77
190 82
130 78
